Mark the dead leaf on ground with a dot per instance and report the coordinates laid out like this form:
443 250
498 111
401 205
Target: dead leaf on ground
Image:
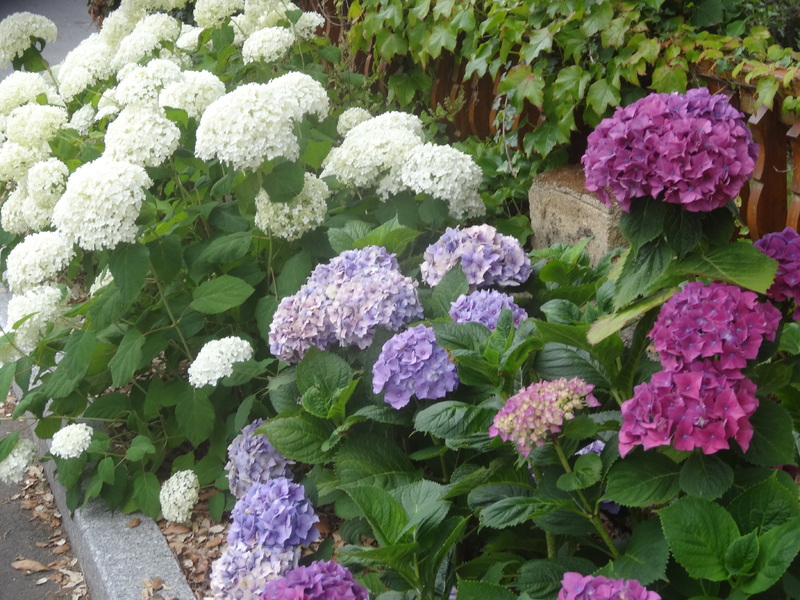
135 522
26 564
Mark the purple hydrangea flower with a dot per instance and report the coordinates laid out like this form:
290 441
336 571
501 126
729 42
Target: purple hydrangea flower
253 459
274 515
713 321
487 257
343 302
701 406
691 149
575 586
321 580
411 363
784 247
484 307
242 572
536 413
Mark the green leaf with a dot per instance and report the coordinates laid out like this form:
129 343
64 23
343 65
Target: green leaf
73 365
299 438
706 476
609 324
514 510
601 95
294 273
195 416
571 83
644 222
422 503
541 578
166 256
383 512
707 13
643 479
483 590
777 549
285 181
439 37
739 263
145 492
773 441
452 419
265 310
390 44
453 284
460 336
645 558
108 406
373 461
528 84
140 447
391 235
587 471
225 248
105 468
322 370
8 444
129 264
641 270
127 358
683 229
669 77
699 533
764 506
599 19
7 373
741 555
220 294
557 360
766 89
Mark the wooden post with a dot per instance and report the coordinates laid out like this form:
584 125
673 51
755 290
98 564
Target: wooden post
766 207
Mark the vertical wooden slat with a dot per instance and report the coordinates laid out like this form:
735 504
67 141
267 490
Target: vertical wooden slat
793 218
766 207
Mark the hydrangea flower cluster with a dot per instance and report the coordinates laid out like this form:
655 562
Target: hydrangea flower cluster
21 87
38 306
784 247
210 13
142 135
411 363
142 85
146 36
16 32
698 407
71 441
536 413
193 92
241 572
267 45
30 206
274 515
704 334
178 496
216 359
343 302
290 220
13 466
575 586
691 149
484 306
321 580
252 459
37 259
713 321
350 118
487 257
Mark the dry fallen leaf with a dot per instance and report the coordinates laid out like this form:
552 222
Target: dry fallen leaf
26 564
135 522
61 549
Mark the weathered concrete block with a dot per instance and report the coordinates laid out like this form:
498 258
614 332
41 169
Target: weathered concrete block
562 211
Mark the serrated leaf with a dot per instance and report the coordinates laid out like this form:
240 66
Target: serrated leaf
645 558
644 222
741 555
643 479
323 370
129 264
140 447
706 476
284 182
145 492
739 263
451 419
483 590
108 406
453 284
383 512
601 95
641 270
127 358
299 438
8 444
375 461
514 510
73 365
166 256
777 549
764 506
220 294
195 416
422 503
586 472
773 441
541 578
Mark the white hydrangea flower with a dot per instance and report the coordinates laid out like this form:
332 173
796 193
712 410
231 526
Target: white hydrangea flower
121 22
256 121
32 124
71 441
307 25
291 220
258 14
142 85
16 32
89 62
34 310
216 359
142 135
41 305
21 87
102 280
146 37
210 13
101 203
45 183
447 174
350 118
13 467
16 159
153 5
267 45
189 39
82 119
12 213
108 105
178 496
193 92
38 259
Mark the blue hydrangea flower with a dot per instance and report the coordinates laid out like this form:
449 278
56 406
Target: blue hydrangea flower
412 363
484 307
253 459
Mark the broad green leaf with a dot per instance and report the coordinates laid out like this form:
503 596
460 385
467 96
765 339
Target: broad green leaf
773 441
294 273
127 358
195 416
699 533
483 590
323 370
145 492
557 360
571 83
739 263
129 264
764 506
741 555
7 373
641 270
644 222
539 41
669 77
8 444
299 437
645 558
601 95
683 230
140 447
460 336
73 364
422 503
225 248
453 284
541 578
609 324
439 37
766 89
599 19
105 468
108 406
166 256
706 476
383 512
643 479
375 461
284 182
586 472
70 470
777 549
514 510
452 419
220 294
707 13
391 235
265 310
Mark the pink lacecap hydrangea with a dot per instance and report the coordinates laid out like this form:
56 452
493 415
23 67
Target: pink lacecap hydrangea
699 407
691 149
575 586
536 413
718 321
784 247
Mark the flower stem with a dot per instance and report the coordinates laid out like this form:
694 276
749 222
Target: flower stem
549 538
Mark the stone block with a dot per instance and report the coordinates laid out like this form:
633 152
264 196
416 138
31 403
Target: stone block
562 211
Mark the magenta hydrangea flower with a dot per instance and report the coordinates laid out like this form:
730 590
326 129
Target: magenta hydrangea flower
536 413
343 302
411 363
253 459
717 321
575 586
699 407
242 572
484 306
321 580
691 149
784 247
487 257
274 515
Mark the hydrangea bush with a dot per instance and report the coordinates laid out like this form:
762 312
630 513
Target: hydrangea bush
255 286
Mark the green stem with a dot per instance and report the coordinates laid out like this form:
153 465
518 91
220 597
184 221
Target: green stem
549 538
172 318
588 511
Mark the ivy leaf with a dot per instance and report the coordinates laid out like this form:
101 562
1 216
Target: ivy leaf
601 95
669 77
571 83
766 88
599 19
540 41
439 37
220 294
